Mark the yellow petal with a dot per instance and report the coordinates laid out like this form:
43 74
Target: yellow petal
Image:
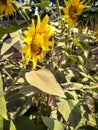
50 34
33 26
30 32
24 49
50 43
28 40
38 23
7 7
43 24
35 60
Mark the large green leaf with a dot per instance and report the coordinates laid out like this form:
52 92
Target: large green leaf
19 102
12 126
8 44
1 123
53 124
70 111
15 39
3 110
44 80
29 90
24 123
12 27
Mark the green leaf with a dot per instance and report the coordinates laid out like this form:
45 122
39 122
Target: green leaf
8 44
12 126
73 57
70 111
1 123
86 53
3 110
15 39
77 43
29 90
95 87
53 124
12 27
45 81
81 60
24 123
18 101
44 4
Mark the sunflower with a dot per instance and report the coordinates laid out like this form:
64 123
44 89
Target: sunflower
38 40
6 7
71 11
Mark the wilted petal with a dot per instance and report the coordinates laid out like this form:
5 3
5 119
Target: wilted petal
7 7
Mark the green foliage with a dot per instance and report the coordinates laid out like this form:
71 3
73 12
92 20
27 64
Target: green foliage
62 92
13 26
70 111
1 123
12 126
44 81
3 110
25 123
53 124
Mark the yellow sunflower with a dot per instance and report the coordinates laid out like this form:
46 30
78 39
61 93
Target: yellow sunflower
38 40
72 9
7 7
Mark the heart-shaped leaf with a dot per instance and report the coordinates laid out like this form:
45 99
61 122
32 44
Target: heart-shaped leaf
45 81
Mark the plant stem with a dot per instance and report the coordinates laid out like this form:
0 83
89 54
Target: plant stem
14 82
58 7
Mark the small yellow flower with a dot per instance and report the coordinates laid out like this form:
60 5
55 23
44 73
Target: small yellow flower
72 9
38 40
6 7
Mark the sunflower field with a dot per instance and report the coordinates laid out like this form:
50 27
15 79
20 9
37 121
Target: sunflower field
48 64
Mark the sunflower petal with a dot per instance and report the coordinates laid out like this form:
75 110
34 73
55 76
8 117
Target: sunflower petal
24 49
38 23
7 7
43 24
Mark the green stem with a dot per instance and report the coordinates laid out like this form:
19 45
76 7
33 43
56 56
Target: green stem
68 38
58 7
14 82
8 74
53 12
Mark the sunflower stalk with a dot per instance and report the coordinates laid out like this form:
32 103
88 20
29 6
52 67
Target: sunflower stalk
59 11
14 82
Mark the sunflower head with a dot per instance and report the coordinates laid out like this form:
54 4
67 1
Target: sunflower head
38 41
71 11
6 7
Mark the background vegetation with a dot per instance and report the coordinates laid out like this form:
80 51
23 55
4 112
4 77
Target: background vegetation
62 92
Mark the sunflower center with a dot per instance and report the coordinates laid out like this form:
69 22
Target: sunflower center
73 12
37 44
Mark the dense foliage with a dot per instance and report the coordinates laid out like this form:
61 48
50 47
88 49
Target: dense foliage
49 65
